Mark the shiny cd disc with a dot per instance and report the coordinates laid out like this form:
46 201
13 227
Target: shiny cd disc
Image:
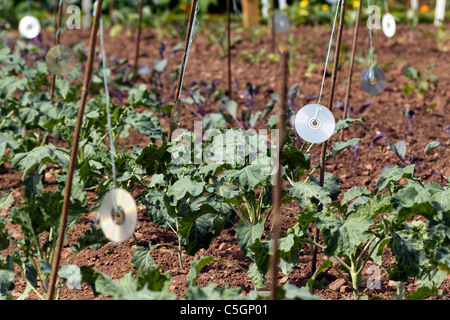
373 80
118 225
60 60
388 25
29 27
282 23
315 123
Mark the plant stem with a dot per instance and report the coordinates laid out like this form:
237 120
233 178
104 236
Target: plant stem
32 287
165 244
354 276
179 247
6 118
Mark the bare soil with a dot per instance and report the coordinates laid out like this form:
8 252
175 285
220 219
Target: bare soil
385 114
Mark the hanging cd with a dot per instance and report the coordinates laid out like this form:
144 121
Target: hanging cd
388 25
373 80
332 1
60 60
118 225
315 123
29 27
282 24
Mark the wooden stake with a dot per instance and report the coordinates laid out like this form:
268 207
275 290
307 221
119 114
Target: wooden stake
57 41
350 71
73 153
277 196
229 48
175 117
138 40
111 13
330 105
250 13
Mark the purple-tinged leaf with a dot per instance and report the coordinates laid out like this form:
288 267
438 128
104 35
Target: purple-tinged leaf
377 137
438 174
408 114
354 151
144 70
447 129
236 84
365 106
431 146
400 149
312 97
340 105
413 159
387 167
162 49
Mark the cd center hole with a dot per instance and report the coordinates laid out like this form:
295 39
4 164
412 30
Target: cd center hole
315 123
373 81
118 216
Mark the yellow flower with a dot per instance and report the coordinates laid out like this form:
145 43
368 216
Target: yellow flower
182 6
47 14
304 3
324 7
304 12
424 8
355 4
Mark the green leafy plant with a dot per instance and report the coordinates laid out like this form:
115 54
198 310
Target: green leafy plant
356 229
219 37
419 83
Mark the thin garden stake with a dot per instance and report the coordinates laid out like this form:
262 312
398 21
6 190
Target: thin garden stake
350 71
138 40
73 153
111 12
57 40
277 197
330 105
55 15
175 117
229 47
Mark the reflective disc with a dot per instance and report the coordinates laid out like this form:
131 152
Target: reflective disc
315 123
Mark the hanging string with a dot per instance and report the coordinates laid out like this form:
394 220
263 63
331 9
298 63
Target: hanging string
371 72
386 6
326 61
236 9
191 38
108 112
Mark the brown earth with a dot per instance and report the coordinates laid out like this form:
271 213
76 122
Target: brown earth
385 114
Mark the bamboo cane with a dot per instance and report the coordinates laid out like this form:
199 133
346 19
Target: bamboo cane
57 41
73 153
277 187
229 48
175 117
350 71
138 40
330 105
